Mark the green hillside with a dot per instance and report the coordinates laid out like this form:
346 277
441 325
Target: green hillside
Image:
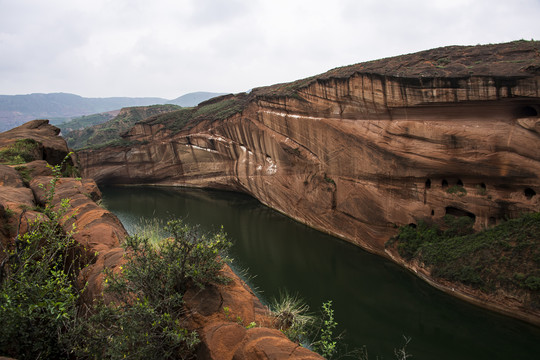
102 134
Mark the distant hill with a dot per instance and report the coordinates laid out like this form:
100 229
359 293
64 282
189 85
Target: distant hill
17 109
85 121
193 99
111 130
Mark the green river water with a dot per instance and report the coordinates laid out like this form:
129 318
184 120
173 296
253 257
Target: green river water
375 301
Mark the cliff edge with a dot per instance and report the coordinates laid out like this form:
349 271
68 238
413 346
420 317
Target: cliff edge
26 186
360 150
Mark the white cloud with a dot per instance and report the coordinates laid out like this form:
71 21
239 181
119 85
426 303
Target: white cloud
170 47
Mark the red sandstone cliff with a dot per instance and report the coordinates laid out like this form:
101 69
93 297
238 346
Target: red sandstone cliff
99 234
360 150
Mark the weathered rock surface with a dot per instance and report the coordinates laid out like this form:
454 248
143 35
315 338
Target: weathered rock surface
52 148
360 150
99 234
221 315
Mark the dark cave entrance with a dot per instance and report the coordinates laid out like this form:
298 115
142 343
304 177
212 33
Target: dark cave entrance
526 111
529 193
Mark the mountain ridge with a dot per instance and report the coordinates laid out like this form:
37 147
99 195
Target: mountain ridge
17 109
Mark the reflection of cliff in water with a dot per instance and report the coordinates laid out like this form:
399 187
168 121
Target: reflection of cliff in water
375 300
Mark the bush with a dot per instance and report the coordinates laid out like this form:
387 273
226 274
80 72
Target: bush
20 152
457 189
505 256
411 238
37 290
143 320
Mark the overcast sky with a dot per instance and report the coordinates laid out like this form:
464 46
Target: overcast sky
166 48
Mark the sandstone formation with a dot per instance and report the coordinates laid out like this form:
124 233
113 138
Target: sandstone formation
360 150
51 147
99 234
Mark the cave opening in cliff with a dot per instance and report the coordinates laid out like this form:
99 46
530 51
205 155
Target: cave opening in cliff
428 184
450 210
529 193
483 186
527 111
459 182
444 183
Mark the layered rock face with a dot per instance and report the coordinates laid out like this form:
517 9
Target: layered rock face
99 234
361 150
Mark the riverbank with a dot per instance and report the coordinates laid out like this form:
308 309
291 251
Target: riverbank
98 236
375 300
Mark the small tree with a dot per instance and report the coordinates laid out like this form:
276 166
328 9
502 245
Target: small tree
144 319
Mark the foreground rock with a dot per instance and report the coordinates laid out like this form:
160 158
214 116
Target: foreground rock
50 147
360 150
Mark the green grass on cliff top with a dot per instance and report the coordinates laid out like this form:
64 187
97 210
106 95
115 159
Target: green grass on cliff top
510 61
504 257
110 132
212 110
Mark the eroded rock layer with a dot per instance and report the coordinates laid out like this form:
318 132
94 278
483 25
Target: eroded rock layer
98 234
361 150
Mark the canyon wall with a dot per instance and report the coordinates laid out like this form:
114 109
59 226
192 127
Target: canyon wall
98 234
356 157
361 150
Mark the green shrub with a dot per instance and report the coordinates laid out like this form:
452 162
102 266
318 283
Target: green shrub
457 189
329 180
411 238
25 173
20 152
533 283
505 256
327 343
457 226
143 320
37 290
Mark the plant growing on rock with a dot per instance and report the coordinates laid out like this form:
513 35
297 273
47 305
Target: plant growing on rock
37 290
292 317
457 189
327 343
504 257
143 318
20 152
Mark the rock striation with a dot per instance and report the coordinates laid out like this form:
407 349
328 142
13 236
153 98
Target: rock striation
99 234
363 149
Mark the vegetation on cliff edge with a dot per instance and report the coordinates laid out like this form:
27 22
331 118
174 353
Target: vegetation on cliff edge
504 258
212 110
110 131
141 317
85 121
38 291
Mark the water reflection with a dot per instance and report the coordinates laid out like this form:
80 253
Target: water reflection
375 301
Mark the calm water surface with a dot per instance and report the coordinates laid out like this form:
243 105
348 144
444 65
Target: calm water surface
375 301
